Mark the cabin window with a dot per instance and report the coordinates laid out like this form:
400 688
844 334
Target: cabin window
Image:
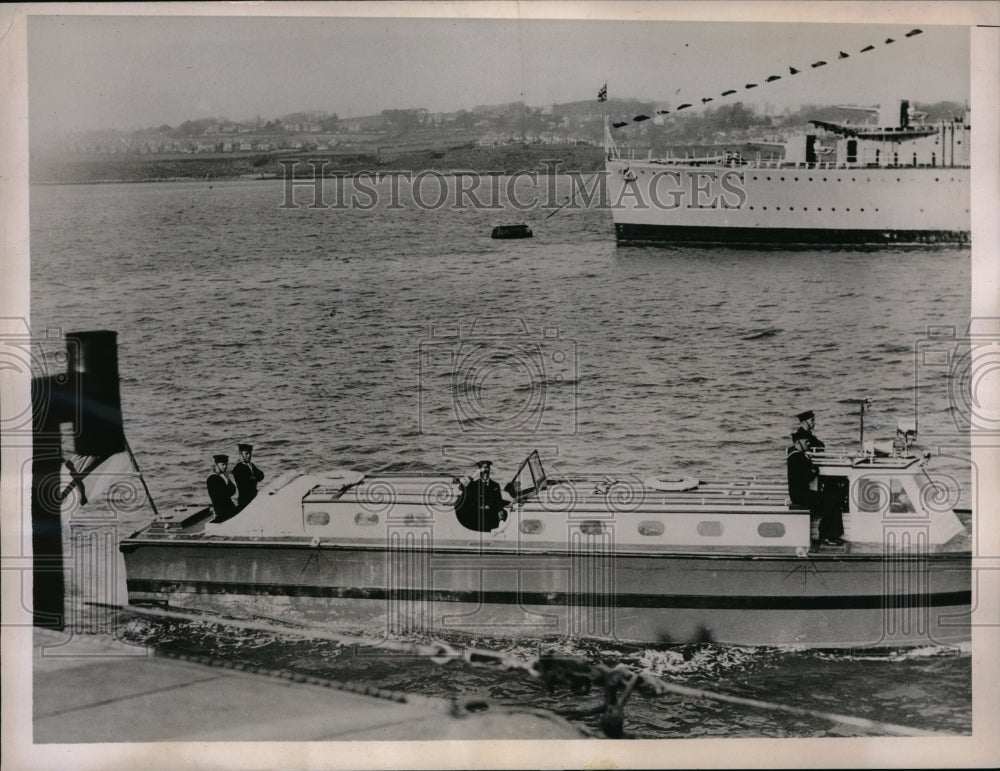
771 529
650 527
366 519
899 501
710 528
318 518
591 527
531 526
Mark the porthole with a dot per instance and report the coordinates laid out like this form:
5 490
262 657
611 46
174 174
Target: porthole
591 527
365 519
710 528
651 527
318 518
771 530
531 526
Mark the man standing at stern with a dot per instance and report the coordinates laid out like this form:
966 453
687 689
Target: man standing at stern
247 475
221 488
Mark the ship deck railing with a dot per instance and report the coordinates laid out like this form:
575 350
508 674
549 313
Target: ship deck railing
778 163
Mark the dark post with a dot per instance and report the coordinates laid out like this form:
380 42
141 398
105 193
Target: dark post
87 396
93 361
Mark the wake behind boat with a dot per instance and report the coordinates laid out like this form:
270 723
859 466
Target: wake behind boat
583 555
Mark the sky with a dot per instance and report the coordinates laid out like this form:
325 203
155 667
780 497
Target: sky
128 72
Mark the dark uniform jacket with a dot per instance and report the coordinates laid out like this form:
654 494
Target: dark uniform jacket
480 506
220 492
247 475
813 442
800 473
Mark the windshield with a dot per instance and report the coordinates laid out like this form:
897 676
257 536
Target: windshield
530 477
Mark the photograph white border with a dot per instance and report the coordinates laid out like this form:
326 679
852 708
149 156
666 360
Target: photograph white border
980 749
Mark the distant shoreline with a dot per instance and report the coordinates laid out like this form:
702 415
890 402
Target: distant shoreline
505 159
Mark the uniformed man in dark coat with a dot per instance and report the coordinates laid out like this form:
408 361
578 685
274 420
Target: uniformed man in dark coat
807 422
221 489
801 473
481 505
246 475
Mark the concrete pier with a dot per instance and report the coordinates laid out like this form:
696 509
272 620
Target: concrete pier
95 689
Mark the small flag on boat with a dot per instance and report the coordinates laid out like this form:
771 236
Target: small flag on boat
730 91
818 64
619 123
793 71
843 55
772 78
640 118
866 48
91 477
913 32
602 95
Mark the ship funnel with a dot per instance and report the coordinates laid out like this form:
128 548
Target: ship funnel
895 114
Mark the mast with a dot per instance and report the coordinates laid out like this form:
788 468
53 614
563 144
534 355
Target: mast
610 148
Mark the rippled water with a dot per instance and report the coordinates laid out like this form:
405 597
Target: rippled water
408 339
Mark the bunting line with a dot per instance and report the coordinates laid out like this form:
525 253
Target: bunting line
602 94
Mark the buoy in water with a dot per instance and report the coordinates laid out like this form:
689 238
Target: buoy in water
511 231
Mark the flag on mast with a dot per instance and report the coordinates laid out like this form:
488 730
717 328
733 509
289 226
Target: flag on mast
602 95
